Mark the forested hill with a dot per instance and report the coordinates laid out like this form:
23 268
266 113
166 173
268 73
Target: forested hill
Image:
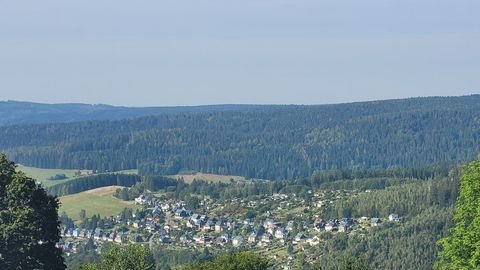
271 142
16 112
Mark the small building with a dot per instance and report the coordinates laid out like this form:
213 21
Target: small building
142 199
266 238
220 226
393 217
280 233
237 241
375 221
253 238
300 238
181 213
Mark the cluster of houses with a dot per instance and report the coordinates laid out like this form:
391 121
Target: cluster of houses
170 222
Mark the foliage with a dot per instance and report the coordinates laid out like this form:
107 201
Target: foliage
426 211
279 142
29 227
131 257
407 199
461 249
91 182
236 261
60 176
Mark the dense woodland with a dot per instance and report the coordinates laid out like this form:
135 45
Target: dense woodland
271 142
21 113
425 205
405 153
423 197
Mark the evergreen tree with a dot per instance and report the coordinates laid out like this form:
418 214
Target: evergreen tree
29 224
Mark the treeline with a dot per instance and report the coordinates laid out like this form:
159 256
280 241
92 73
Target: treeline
425 209
405 200
93 181
410 244
148 183
280 142
332 180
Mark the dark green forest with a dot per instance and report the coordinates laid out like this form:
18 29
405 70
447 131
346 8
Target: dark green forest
21 113
272 142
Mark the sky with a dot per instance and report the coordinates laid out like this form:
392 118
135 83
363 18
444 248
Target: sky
193 52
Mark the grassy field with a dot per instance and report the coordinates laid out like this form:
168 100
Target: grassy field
42 175
207 177
95 201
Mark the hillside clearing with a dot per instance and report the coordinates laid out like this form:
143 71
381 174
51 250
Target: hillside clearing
42 175
95 201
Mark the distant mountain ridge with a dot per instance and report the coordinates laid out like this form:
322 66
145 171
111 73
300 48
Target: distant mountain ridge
269 142
20 112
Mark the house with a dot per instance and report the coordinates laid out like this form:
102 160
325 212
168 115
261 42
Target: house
219 226
290 225
156 211
165 239
248 222
151 227
68 246
375 221
280 233
231 224
266 238
253 238
363 219
111 237
165 207
181 213
330 226
393 217
343 227
222 239
300 238
185 240
237 241
313 241
319 224
269 224
97 235
209 225
76 233
106 236
121 238
142 199
202 240
137 224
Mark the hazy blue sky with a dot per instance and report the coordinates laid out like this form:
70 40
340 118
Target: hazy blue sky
154 52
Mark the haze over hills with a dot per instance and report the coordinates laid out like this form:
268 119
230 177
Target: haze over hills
271 142
19 112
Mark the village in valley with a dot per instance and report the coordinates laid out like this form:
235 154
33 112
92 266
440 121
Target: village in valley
277 225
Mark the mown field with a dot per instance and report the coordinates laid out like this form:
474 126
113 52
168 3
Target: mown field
42 175
96 201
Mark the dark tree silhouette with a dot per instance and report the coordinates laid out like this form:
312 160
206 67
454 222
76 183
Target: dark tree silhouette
29 226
